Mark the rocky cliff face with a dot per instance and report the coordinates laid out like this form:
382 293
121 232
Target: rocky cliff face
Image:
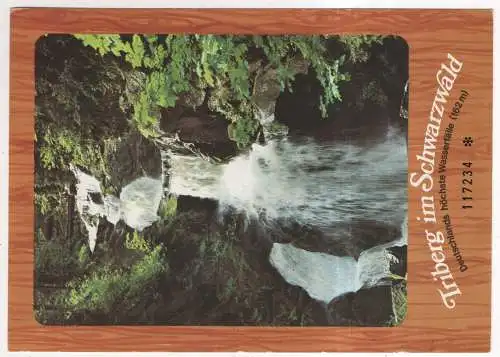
371 100
194 123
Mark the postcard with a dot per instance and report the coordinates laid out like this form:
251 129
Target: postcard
250 180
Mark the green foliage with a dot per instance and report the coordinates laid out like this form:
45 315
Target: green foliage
99 291
243 131
45 202
107 289
399 301
83 255
104 44
61 146
145 122
136 241
46 305
53 258
225 261
178 64
329 77
371 92
78 117
168 207
357 46
147 269
312 49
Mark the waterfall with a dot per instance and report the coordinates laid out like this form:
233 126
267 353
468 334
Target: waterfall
89 210
329 186
311 183
325 277
140 201
324 185
137 206
193 176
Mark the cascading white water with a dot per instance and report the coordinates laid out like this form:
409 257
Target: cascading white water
89 210
317 184
140 201
137 206
325 277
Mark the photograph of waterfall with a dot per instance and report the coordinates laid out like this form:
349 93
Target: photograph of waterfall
242 180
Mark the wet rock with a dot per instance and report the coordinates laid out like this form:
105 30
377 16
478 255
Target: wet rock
134 157
267 88
347 239
266 91
399 267
135 82
207 133
367 307
371 99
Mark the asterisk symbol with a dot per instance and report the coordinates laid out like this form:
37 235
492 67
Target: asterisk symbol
468 141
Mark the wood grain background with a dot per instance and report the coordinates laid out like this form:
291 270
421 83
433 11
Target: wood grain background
429 326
